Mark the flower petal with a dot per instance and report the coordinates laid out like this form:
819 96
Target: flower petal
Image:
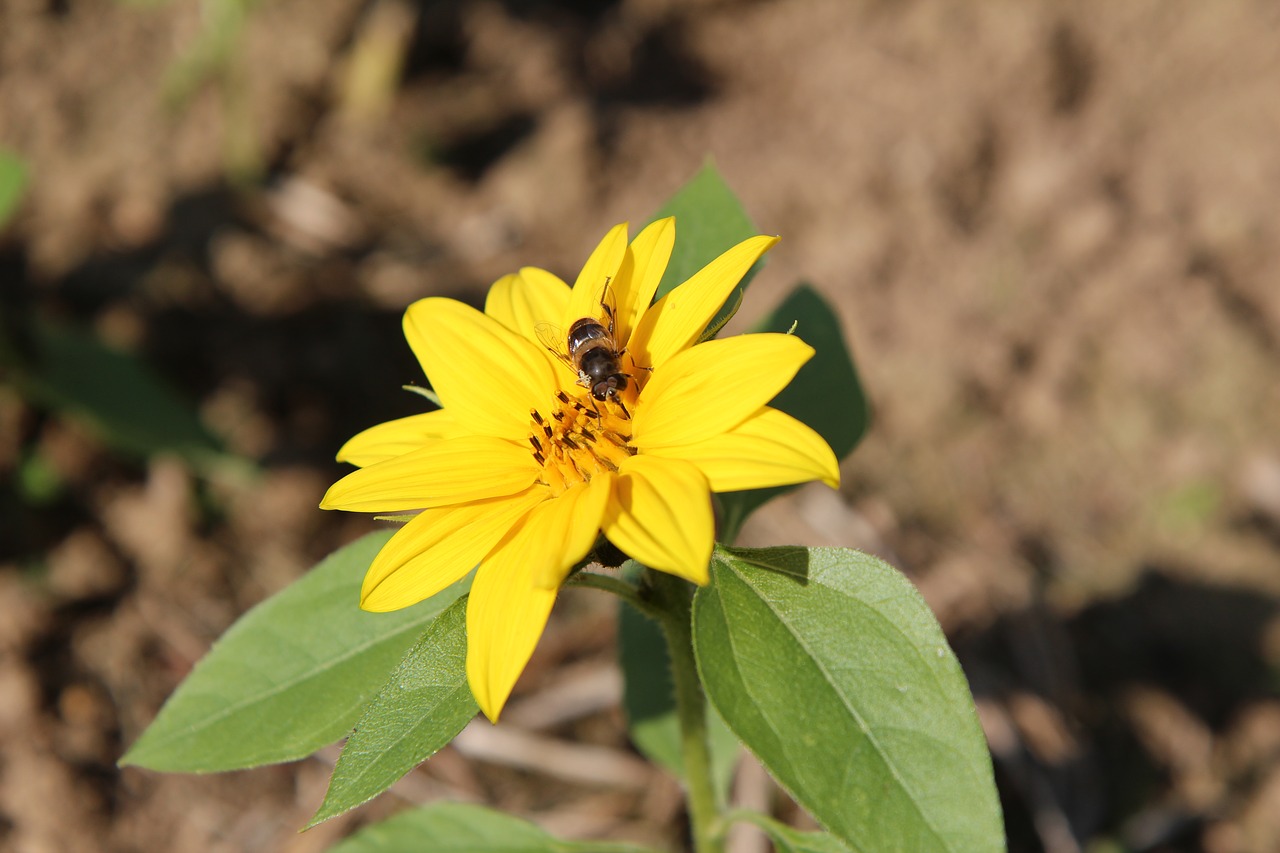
505 617
770 448
600 268
649 253
486 375
396 438
449 471
678 319
710 389
522 300
508 608
661 515
574 524
438 547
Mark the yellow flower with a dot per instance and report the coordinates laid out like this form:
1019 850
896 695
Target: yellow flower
523 466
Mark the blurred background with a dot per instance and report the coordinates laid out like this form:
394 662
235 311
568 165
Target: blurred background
1049 228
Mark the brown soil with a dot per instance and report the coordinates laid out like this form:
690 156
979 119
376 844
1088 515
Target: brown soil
1049 230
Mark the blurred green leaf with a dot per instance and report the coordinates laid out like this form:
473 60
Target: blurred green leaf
787 839
290 676
115 393
649 700
709 221
462 828
826 394
835 674
39 483
1189 507
13 181
211 53
216 58
423 706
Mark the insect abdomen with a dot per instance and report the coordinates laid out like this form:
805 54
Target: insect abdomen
583 332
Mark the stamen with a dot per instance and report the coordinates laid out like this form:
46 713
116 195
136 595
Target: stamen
573 463
576 439
615 438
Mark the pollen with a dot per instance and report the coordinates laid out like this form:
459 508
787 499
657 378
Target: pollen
578 438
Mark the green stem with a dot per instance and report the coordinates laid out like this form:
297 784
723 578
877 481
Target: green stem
673 604
617 586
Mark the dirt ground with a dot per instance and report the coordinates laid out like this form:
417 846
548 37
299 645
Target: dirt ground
1049 229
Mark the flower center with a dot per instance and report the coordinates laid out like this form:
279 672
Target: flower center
579 438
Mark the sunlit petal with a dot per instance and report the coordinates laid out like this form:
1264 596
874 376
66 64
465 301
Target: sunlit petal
600 268
505 618
661 515
452 470
573 523
521 301
711 388
396 438
516 585
769 448
486 375
438 547
677 320
649 253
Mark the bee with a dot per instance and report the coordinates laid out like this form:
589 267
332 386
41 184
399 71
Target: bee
590 350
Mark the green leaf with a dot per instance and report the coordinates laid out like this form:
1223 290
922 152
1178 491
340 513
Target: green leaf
116 394
709 221
826 394
423 706
290 676
462 828
649 699
788 839
836 675
13 181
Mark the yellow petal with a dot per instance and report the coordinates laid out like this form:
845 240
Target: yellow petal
487 376
516 586
711 388
522 300
649 253
505 617
770 448
573 524
396 438
600 268
438 547
449 471
661 515
677 320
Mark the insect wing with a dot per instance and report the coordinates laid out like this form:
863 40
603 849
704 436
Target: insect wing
554 339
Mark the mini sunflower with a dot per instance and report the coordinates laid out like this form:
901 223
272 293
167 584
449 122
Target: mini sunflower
538 448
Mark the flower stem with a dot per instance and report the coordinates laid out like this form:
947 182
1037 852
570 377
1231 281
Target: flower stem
617 586
674 606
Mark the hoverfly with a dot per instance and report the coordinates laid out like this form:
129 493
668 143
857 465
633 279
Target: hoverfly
589 349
